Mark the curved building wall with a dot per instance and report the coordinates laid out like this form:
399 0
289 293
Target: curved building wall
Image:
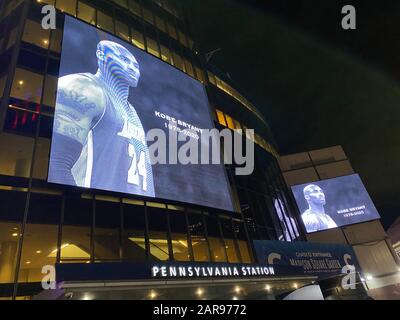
42 224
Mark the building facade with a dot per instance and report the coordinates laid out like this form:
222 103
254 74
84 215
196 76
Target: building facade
370 242
47 224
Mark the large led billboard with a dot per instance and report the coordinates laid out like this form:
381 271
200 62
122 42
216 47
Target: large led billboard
110 94
333 203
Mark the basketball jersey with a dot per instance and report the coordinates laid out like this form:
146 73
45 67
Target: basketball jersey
116 157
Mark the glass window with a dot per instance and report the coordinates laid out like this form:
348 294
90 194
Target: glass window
107 231
152 47
178 62
172 31
20 120
170 9
156 205
214 238
134 244
211 78
68 6
199 74
105 21
242 241
179 236
197 234
161 24
175 208
122 30
122 3
32 61
190 42
132 201
27 86
137 38
11 213
182 38
50 90
221 118
134 7
166 54
38 250
86 13
41 158
76 230
189 68
35 34
227 230
148 16
157 218
15 155
229 122
55 42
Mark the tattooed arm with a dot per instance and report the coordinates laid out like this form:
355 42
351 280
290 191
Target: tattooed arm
80 104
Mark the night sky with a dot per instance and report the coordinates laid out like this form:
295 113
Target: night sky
316 84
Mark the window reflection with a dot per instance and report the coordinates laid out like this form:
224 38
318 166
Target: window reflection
200 74
178 62
122 30
122 3
172 31
76 230
134 7
161 24
50 90
179 237
134 244
157 234
11 213
86 13
198 238
107 231
230 245
137 38
55 42
166 54
214 237
68 6
37 250
152 47
27 85
105 21
15 155
148 16
242 242
182 39
35 34
41 158
189 68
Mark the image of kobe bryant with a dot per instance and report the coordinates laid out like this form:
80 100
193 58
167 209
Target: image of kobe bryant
98 139
315 218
